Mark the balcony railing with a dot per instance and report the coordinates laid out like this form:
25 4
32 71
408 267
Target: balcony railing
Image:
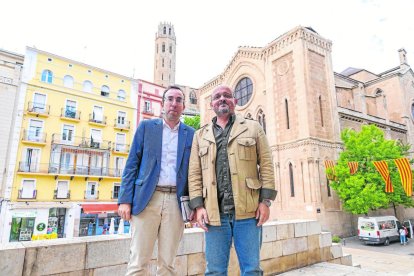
60 168
38 108
94 119
70 114
89 195
30 194
122 148
34 136
82 142
148 111
61 195
122 124
32 167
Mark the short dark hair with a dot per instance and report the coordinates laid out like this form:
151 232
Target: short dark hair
172 87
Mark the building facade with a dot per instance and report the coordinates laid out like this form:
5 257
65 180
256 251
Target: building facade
289 86
74 128
164 60
11 65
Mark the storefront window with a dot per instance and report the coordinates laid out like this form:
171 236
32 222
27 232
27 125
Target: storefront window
56 222
22 229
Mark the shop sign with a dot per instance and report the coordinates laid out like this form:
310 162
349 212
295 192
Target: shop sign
41 226
25 214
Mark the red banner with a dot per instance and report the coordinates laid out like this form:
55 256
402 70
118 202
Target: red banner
353 167
406 175
382 168
329 164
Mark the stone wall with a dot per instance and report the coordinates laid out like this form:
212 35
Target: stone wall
286 245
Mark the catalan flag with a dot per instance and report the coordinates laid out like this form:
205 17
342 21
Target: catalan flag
329 164
406 175
353 167
382 168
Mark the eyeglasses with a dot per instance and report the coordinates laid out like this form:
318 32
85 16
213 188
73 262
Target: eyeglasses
171 100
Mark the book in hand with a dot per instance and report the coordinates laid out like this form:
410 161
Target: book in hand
185 208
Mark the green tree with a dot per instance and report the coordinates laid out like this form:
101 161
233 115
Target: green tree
365 190
192 121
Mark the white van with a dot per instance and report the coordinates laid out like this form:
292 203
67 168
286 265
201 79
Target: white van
377 230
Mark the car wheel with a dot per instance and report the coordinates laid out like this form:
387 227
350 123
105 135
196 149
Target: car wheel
387 242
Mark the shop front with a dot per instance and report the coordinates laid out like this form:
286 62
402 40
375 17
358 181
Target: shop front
96 219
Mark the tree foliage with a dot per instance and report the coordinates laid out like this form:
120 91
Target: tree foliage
193 121
365 190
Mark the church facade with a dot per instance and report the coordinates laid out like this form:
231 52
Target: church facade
290 87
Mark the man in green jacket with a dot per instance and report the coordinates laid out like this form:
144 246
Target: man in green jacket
231 185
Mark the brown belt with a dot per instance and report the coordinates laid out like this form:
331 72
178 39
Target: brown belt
166 189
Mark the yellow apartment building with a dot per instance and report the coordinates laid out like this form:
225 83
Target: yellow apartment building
76 126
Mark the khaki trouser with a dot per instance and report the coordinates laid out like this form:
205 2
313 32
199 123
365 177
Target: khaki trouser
160 219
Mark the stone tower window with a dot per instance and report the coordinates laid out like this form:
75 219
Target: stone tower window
287 114
320 109
292 184
163 48
170 49
243 91
328 187
169 31
164 30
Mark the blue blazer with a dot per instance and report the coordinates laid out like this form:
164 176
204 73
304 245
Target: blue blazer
143 167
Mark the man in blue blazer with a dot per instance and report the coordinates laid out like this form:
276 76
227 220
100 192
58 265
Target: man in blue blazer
154 179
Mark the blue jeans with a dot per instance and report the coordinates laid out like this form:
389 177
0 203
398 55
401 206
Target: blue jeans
247 239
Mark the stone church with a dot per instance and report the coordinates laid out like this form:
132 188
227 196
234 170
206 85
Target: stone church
290 87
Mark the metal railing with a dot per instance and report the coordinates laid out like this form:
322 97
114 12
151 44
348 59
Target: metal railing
147 111
34 136
61 168
38 108
82 142
123 124
57 195
27 195
67 113
93 119
120 147
89 195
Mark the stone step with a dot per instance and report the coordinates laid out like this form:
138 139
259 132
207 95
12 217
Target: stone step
329 269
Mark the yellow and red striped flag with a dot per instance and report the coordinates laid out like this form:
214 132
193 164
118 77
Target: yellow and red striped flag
406 175
329 164
382 168
353 167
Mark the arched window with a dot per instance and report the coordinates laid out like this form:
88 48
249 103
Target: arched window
170 49
328 187
163 48
87 86
162 62
193 98
292 184
164 30
320 109
169 31
261 119
243 91
47 76
287 114
105 91
121 95
68 81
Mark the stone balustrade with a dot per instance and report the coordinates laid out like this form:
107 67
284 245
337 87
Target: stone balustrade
286 245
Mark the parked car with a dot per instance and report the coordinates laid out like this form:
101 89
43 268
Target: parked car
409 223
378 230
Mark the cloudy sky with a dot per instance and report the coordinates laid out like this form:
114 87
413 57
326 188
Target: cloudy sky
119 35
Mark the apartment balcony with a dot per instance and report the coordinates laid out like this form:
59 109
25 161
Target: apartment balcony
123 125
70 115
148 112
120 148
29 167
27 194
42 110
81 142
97 121
34 137
61 194
91 196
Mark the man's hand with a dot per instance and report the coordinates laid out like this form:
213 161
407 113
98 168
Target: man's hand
262 214
202 218
124 211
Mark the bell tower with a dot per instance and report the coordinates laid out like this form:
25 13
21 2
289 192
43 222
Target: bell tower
164 58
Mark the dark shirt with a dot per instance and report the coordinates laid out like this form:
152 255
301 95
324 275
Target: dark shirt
224 188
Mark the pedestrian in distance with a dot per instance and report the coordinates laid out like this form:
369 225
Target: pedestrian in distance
153 181
231 185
